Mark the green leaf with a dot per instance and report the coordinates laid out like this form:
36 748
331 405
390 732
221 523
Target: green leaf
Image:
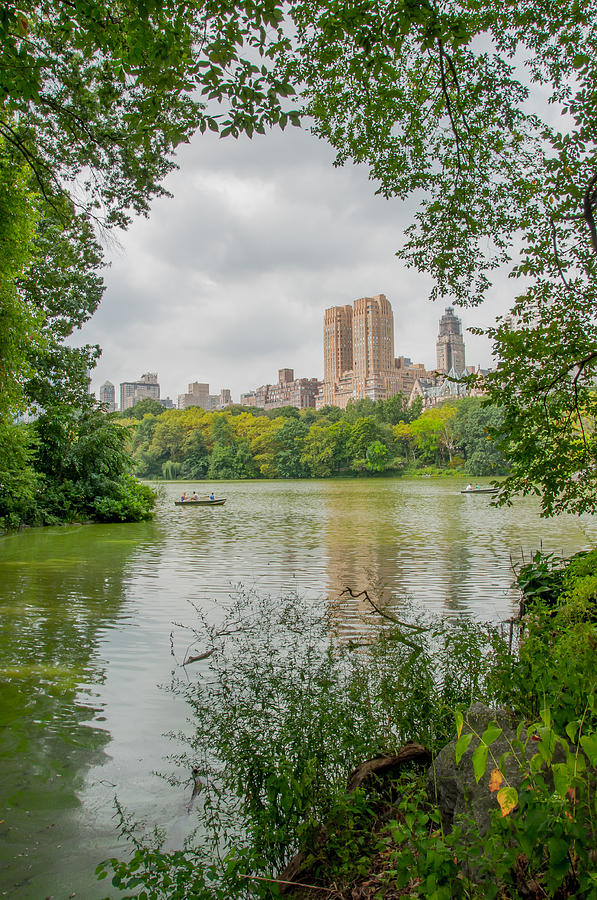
589 744
459 719
462 746
480 760
491 734
558 850
546 716
561 778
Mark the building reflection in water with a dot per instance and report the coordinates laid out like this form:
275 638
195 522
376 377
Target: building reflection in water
419 547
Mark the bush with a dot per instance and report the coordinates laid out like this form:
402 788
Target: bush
129 501
287 709
555 666
18 479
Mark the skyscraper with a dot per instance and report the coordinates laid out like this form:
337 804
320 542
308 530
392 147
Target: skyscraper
107 395
450 344
131 392
372 337
358 354
337 342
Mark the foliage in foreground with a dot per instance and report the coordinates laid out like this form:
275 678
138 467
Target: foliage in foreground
282 712
71 463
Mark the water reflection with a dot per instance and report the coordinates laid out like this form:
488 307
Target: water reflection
59 591
424 541
87 616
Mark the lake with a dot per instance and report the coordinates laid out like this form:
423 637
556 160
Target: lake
88 611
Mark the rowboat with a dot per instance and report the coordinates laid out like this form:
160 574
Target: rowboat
220 502
480 491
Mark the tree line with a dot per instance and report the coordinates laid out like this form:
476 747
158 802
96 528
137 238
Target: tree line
369 437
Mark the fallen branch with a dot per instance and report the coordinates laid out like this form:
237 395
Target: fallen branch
311 887
199 656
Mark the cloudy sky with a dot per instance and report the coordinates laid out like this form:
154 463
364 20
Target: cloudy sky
228 281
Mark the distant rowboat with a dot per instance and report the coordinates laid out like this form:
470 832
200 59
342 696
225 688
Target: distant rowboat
480 491
200 502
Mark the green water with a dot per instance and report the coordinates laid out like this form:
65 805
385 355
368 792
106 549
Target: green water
87 614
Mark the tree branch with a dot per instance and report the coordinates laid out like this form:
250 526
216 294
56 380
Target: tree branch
446 94
32 162
589 201
390 618
581 363
557 255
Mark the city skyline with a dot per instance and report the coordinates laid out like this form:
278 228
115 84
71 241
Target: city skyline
359 362
431 353
228 282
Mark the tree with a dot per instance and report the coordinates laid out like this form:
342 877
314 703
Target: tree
196 459
362 433
221 430
19 481
231 460
222 462
433 433
145 407
20 325
83 463
474 424
104 94
360 409
319 450
376 456
405 437
440 103
286 412
396 409
290 441
330 413
168 441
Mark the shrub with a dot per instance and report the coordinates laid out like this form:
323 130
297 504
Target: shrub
285 709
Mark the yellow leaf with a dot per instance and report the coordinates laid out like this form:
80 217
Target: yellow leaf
496 780
507 797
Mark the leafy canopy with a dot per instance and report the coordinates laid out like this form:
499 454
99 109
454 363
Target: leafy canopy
440 102
437 99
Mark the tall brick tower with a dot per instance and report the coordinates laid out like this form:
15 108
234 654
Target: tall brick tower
337 342
372 336
450 343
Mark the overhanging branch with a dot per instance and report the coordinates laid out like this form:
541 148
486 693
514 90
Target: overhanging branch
589 203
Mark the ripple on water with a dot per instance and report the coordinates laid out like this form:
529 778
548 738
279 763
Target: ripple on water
88 613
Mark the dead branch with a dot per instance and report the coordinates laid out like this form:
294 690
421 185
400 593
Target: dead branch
310 887
380 611
199 656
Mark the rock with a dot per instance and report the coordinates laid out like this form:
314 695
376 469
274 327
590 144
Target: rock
454 788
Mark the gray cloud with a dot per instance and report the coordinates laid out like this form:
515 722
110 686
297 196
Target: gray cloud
228 281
